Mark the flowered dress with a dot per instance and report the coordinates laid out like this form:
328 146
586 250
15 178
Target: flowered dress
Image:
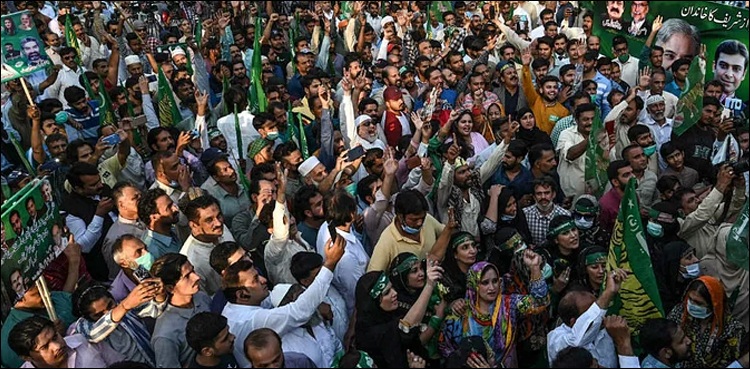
500 326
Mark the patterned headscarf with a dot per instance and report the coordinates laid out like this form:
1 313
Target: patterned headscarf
716 291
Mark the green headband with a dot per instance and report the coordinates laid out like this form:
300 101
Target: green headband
405 265
515 243
596 258
562 228
461 239
365 361
586 210
660 216
379 286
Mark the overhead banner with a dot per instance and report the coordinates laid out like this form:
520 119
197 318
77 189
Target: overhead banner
722 28
23 50
32 236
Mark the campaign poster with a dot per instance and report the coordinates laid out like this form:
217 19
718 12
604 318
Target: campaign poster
686 25
32 237
23 50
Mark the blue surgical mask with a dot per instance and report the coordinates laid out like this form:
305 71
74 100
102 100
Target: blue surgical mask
146 260
272 136
697 311
655 229
61 117
584 224
507 218
409 230
692 271
546 271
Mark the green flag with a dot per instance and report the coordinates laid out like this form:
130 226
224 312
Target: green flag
199 34
89 90
302 138
106 112
22 155
737 246
131 111
238 133
169 114
597 159
638 299
690 105
71 40
257 97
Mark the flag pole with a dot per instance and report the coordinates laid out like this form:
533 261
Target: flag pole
26 91
46 298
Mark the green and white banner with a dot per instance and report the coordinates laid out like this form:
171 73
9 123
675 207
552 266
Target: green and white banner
32 236
23 50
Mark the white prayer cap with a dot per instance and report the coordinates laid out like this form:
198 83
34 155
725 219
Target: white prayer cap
361 119
387 19
308 165
132 59
653 99
278 293
177 51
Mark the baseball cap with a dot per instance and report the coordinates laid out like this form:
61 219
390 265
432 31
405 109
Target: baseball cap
392 93
211 155
213 133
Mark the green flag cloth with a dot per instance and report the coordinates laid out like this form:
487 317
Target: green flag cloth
106 112
257 97
22 155
302 138
737 246
597 159
638 299
71 40
169 114
89 90
199 34
690 105
131 111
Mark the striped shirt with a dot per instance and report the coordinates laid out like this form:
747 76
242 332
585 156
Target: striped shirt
90 121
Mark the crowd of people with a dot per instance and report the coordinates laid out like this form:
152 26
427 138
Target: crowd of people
396 184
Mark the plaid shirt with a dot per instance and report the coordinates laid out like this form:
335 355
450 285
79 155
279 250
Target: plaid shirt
539 224
151 44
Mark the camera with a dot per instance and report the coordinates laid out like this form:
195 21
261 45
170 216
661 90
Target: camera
741 167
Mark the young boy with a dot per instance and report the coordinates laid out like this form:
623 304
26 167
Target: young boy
680 69
208 334
675 158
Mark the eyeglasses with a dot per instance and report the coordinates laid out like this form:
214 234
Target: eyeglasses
621 49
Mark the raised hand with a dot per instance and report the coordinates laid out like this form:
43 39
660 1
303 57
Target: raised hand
657 24
33 113
644 80
417 120
531 259
526 56
142 293
184 177
475 360
452 222
72 251
390 164
495 190
280 177
434 273
561 281
614 280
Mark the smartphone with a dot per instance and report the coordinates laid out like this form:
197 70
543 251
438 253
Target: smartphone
492 12
356 153
560 266
194 134
139 121
50 166
332 231
112 139
140 273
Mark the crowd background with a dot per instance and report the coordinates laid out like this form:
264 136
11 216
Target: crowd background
367 183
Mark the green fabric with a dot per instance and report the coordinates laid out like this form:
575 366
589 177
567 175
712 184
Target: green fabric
379 286
64 309
562 228
405 265
597 159
22 155
514 243
71 40
257 102
737 251
302 138
596 258
639 298
256 147
690 105
169 114
89 90
106 113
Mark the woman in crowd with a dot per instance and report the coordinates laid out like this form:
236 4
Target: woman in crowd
380 330
407 275
561 252
529 132
471 143
677 267
502 212
592 264
705 316
483 122
491 313
461 255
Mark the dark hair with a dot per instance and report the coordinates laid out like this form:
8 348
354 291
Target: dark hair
77 170
410 202
667 183
230 280
219 258
584 108
22 338
573 357
365 102
626 151
86 294
168 268
54 138
668 148
602 62
547 78
203 329
549 24
371 156
614 168
303 263
67 50
637 130
518 148
302 201
710 100
73 94
657 334
363 187
256 174
547 41
539 63
260 120
545 181
713 82
731 47
259 339
566 68
545 12
202 202
536 151
678 63
339 208
71 151
580 95
152 134
47 105
617 40
284 150
158 158
147 204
